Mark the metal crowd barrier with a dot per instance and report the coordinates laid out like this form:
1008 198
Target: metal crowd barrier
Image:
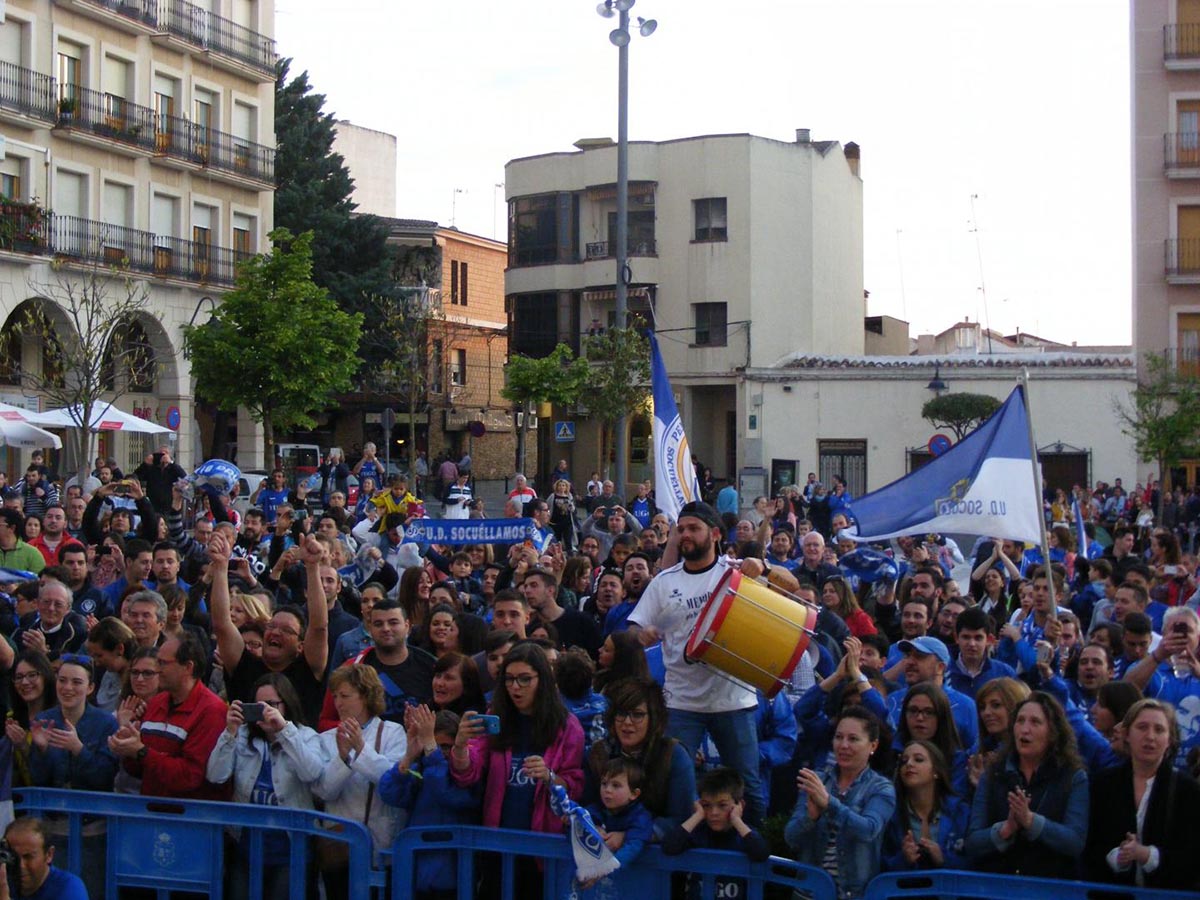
179 845
948 884
649 878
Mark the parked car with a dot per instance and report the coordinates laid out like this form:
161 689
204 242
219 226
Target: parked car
247 485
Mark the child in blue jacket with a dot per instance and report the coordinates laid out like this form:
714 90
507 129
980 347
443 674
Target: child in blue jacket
420 784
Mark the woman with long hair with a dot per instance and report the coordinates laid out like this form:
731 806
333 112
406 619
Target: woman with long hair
273 761
576 582
925 715
1030 812
995 701
841 813
539 743
442 635
621 656
993 599
635 724
413 594
930 821
30 693
456 684
837 596
1136 834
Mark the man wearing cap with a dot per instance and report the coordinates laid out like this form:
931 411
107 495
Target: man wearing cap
700 699
925 661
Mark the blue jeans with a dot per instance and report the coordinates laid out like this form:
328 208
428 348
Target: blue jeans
736 736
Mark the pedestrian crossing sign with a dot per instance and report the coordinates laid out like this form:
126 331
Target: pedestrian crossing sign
564 432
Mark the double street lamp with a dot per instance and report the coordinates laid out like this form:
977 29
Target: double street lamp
620 37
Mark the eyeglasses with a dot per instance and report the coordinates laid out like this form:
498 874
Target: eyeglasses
519 680
920 712
271 626
143 673
27 676
633 715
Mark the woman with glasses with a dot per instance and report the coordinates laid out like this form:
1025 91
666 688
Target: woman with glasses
925 715
273 759
30 693
636 721
138 685
538 743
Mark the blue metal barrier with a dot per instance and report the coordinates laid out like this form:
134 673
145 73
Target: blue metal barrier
649 878
179 845
947 884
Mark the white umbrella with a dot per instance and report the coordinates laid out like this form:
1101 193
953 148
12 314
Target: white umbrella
16 429
105 417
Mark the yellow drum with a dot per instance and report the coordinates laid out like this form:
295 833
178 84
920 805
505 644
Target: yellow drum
752 632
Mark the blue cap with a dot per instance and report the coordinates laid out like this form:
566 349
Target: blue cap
928 645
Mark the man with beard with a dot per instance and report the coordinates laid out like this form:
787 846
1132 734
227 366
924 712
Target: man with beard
636 579
294 644
406 672
701 699
1094 670
609 593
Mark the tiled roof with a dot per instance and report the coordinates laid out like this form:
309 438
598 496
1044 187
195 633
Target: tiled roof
951 362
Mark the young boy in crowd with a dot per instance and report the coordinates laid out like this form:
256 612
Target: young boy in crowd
466 583
627 826
574 672
420 784
717 824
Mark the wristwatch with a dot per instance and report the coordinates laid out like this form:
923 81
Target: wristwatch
141 754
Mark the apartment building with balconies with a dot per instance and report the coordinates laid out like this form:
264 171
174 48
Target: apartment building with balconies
138 142
1165 56
742 250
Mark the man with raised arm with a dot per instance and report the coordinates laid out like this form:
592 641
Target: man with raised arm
295 644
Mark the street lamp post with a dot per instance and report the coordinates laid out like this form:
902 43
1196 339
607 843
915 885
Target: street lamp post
620 36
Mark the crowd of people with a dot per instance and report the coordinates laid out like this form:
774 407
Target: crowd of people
1039 718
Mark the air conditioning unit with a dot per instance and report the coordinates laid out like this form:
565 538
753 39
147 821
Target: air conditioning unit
533 421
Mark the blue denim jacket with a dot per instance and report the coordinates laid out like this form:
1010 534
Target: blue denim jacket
860 817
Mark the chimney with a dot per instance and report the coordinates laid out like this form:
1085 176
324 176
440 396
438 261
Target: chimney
852 157
803 135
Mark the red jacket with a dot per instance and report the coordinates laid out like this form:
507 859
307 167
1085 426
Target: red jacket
178 742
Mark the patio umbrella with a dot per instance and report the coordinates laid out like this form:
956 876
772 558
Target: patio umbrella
16 432
105 417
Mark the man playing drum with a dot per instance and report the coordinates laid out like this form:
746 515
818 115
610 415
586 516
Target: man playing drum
699 698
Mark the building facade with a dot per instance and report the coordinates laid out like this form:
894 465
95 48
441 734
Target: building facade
1165 55
371 157
742 249
138 150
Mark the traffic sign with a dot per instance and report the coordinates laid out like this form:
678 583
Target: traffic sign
173 418
564 432
939 444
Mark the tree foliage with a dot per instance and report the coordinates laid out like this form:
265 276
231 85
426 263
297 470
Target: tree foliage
278 345
961 413
312 193
1164 418
618 379
558 378
101 356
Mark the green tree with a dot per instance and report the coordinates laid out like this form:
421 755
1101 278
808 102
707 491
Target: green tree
557 378
618 380
278 344
351 258
961 413
1164 418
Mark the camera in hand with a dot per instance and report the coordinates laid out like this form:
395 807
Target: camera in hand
252 712
8 858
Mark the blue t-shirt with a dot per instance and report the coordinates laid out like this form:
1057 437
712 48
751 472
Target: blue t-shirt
517 810
1184 694
268 499
60 885
641 511
371 469
275 844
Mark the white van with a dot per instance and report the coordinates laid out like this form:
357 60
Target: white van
298 461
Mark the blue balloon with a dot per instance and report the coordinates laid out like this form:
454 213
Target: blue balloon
869 565
219 473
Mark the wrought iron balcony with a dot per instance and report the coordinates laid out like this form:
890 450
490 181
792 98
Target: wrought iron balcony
188 141
1181 43
1183 259
208 31
106 115
1181 152
28 229
27 92
1184 360
637 246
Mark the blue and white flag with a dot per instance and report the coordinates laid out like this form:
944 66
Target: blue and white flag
983 485
593 859
1081 538
674 475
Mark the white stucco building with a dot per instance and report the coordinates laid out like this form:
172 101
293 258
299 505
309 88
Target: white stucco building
371 158
139 143
742 249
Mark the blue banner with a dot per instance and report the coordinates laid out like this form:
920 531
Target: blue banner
469 531
983 485
675 483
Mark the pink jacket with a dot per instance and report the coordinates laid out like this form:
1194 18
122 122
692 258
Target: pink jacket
564 757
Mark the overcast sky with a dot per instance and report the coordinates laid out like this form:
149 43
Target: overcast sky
1022 103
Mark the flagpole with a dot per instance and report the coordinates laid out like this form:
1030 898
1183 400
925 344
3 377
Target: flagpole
1037 485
